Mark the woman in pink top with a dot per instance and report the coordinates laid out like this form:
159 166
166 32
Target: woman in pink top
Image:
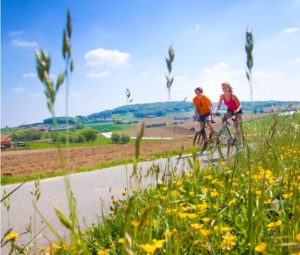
233 107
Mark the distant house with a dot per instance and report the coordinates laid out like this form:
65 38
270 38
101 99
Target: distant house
5 141
183 118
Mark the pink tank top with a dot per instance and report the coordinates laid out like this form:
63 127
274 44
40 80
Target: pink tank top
232 105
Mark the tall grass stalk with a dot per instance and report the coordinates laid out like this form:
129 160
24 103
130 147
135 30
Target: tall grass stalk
249 48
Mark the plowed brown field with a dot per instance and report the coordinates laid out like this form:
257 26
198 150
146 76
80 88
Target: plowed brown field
24 163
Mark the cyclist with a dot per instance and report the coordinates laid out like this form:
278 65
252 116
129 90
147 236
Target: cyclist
203 109
233 108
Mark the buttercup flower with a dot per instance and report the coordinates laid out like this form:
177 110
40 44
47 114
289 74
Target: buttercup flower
261 247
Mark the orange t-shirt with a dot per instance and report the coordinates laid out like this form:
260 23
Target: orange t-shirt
202 104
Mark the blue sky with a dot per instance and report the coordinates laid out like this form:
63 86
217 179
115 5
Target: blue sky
123 44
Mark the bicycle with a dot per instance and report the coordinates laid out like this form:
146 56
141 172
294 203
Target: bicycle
201 142
216 140
225 138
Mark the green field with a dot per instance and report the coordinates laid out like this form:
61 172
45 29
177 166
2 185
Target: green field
108 127
100 141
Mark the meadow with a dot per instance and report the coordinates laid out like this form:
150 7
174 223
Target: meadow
246 205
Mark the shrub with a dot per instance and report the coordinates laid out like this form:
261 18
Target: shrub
89 134
115 138
79 138
124 139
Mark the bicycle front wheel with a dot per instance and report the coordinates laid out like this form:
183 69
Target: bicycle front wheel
223 144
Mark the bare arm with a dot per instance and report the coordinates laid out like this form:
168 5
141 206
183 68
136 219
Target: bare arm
238 102
219 104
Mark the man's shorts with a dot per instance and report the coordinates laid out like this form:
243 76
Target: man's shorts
204 117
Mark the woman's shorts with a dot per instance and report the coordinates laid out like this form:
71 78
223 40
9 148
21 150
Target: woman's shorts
229 114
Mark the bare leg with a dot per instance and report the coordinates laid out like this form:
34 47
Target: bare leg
237 125
202 128
210 126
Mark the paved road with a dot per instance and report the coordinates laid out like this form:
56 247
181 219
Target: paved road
88 188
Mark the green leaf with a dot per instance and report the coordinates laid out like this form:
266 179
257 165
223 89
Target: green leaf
248 76
11 192
69 24
72 65
59 81
62 218
64 45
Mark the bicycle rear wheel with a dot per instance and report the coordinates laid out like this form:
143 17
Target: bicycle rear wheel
198 140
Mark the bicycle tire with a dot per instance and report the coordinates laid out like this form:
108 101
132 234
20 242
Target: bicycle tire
212 144
198 140
223 144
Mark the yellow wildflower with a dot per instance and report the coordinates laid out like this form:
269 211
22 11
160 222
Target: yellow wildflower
225 229
261 247
135 223
268 201
205 190
158 243
189 174
258 193
123 193
103 252
174 231
192 216
229 241
114 200
154 223
298 237
214 193
274 224
214 181
121 241
205 232
149 249
196 226
182 215
206 219
232 201
191 193
208 177
287 195
12 235
168 234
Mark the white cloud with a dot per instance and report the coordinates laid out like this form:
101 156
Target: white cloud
35 95
18 89
290 30
266 85
15 33
29 75
24 44
94 74
106 57
295 61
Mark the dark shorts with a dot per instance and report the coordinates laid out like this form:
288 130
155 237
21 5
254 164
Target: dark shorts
204 117
229 114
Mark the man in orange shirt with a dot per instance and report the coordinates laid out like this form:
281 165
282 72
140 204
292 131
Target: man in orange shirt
203 109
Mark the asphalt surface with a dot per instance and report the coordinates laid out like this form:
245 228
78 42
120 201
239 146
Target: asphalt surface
90 189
